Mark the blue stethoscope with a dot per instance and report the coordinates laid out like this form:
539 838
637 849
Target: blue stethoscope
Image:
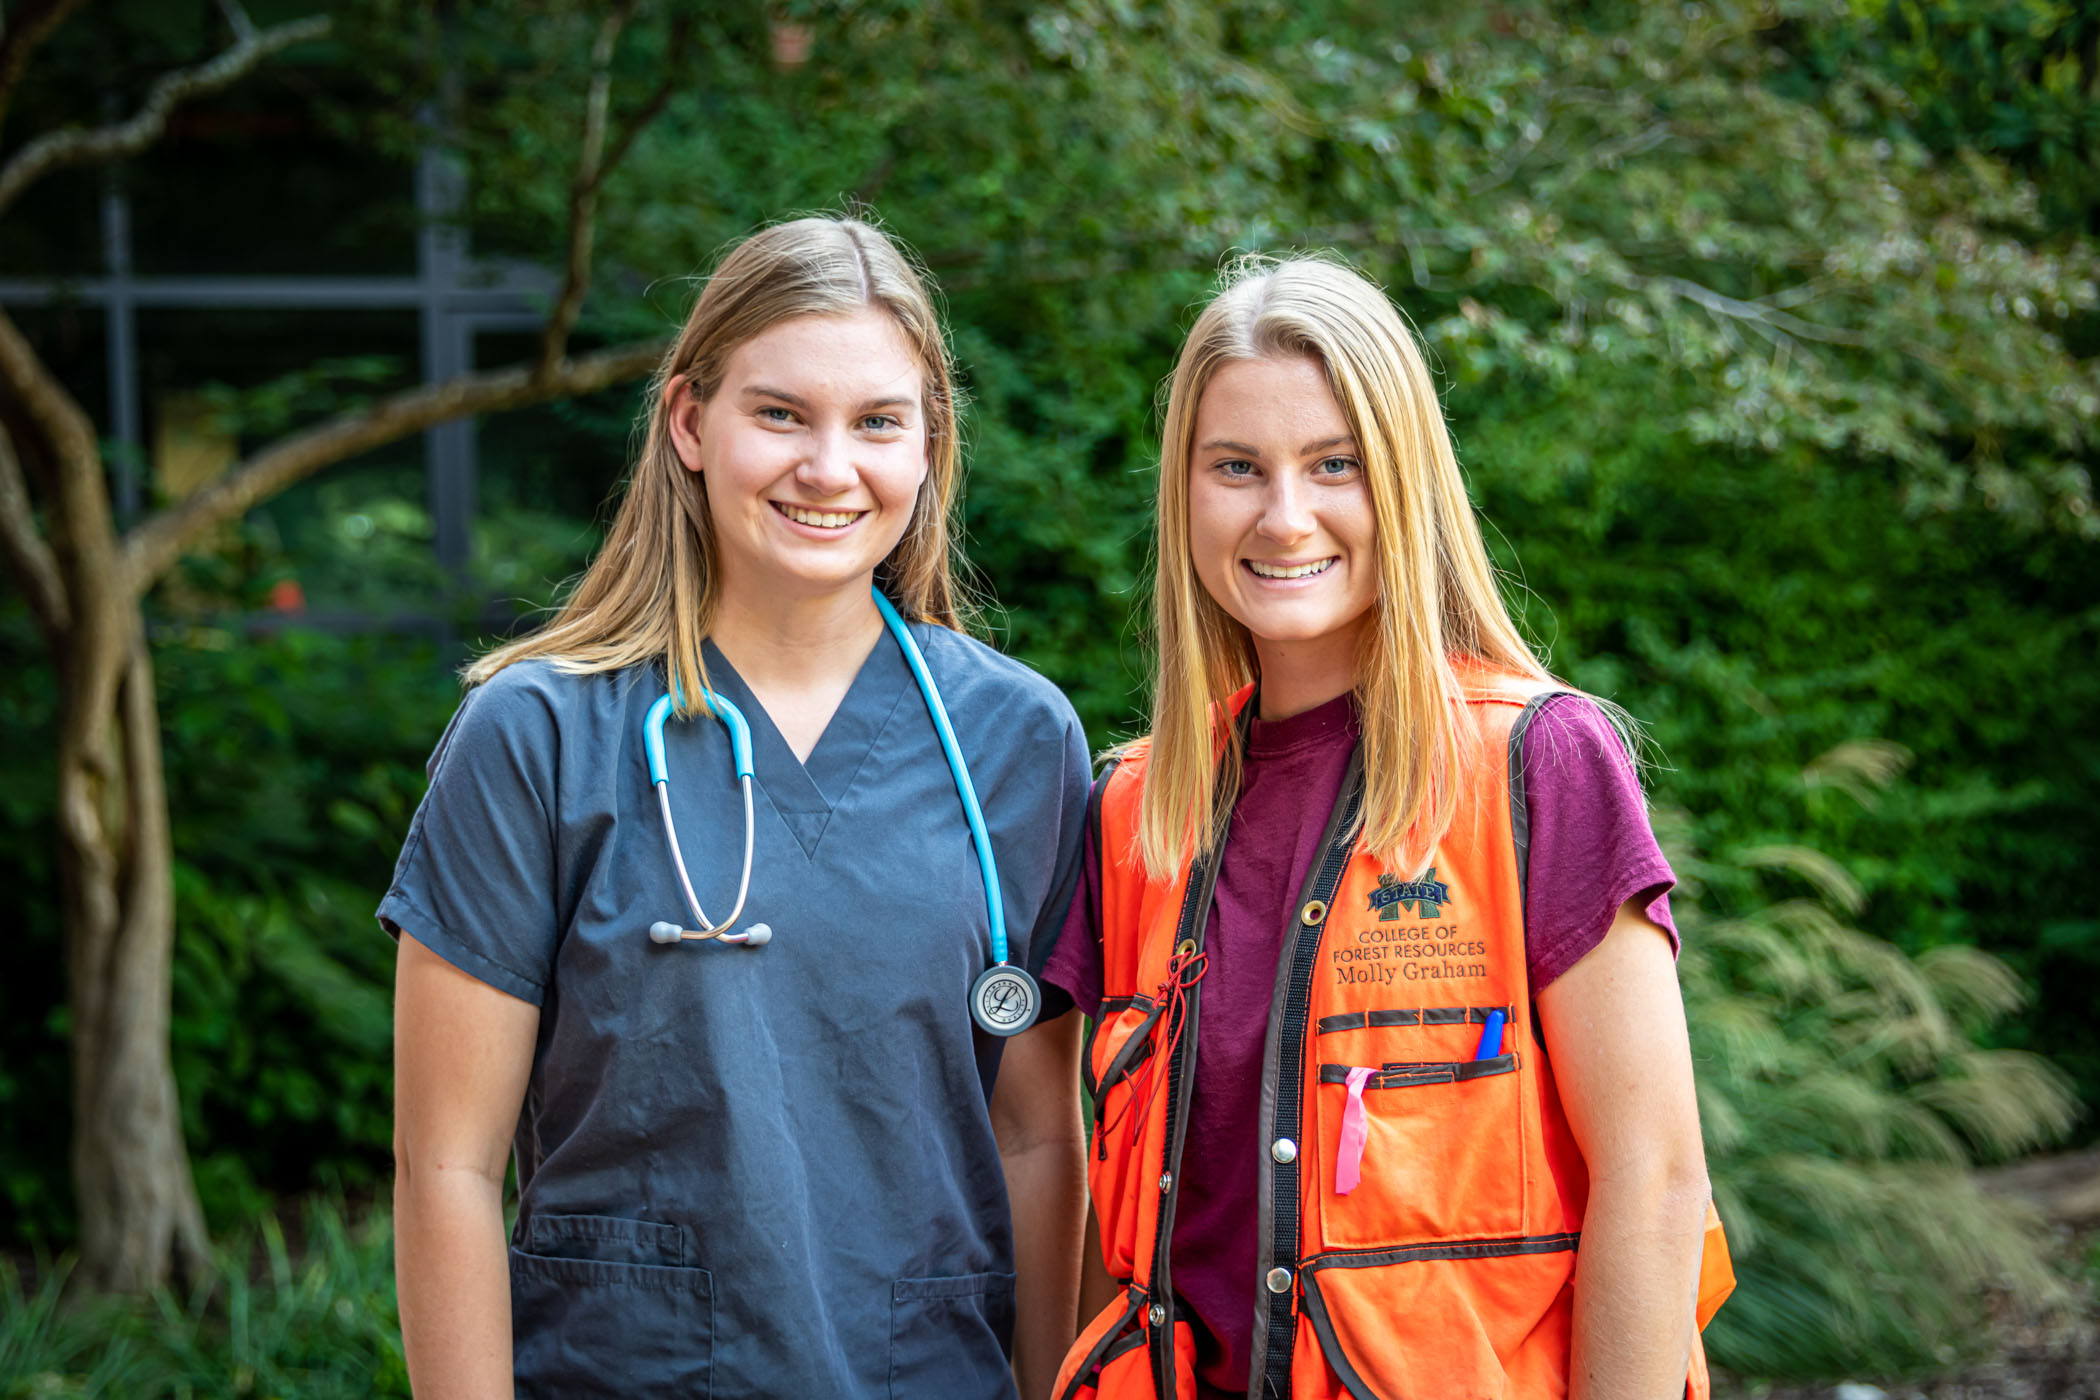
1004 999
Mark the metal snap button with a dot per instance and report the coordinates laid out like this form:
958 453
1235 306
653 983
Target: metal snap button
1313 912
1159 1314
1284 1150
1166 1179
1279 1280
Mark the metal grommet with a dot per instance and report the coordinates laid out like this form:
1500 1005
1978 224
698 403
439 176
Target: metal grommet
1159 1314
1279 1280
1284 1150
1166 1179
1188 946
1313 912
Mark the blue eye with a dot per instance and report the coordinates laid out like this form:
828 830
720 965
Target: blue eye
1236 468
1335 467
773 413
880 423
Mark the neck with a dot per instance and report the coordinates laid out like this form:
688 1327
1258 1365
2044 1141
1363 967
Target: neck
796 642
1301 676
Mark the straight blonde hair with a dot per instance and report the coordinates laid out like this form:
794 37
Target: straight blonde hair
650 594
1438 607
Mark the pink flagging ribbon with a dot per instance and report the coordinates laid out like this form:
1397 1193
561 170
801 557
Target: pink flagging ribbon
1349 1154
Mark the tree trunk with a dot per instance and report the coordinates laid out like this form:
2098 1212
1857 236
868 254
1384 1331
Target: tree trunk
140 1222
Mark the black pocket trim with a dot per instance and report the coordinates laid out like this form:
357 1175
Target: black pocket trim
1130 1341
1410 1016
1323 1324
1135 1052
1409 1076
1330 1342
1499 1248
1113 1343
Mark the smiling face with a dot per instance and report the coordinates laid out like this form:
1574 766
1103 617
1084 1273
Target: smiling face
1281 527
811 452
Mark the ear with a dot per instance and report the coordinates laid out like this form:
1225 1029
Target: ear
683 415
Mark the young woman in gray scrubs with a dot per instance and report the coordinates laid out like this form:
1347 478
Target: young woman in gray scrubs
742 1170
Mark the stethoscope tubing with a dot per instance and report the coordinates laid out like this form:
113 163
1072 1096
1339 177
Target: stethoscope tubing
706 929
740 749
987 866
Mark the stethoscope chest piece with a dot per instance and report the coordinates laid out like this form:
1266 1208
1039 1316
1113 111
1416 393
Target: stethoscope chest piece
1004 1000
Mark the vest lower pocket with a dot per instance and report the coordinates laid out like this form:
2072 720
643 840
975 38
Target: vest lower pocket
951 1336
1467 1320
1436 1152
604 1306
1112 1359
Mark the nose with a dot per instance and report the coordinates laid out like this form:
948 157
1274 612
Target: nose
827 470
1286 510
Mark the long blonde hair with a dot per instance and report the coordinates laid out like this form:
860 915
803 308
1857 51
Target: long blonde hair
650 593
1438 606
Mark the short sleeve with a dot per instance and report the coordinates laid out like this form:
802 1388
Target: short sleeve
1072 974
476 880
1043 939
1591 846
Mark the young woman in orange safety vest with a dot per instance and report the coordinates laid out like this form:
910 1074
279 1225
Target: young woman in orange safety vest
1391 1086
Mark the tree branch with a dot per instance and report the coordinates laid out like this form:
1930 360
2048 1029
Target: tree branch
583 194
1765 317
674 59
27 554
20 36
80 498
77 146
155 544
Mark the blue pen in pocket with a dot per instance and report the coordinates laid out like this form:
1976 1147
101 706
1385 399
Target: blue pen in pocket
1490 1037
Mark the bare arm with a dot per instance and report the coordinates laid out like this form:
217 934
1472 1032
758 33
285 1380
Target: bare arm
1035 1114
1096 1289
1614 1026
462 1052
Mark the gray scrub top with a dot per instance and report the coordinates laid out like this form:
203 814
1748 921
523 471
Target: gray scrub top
752 1171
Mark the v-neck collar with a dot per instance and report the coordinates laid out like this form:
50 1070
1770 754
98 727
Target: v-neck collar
805 794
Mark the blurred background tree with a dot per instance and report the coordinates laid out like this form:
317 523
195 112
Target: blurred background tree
1767 333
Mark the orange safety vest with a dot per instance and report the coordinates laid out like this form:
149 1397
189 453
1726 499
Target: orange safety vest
1446 1267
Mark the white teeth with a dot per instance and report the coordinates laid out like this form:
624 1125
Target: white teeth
1288 571
829 519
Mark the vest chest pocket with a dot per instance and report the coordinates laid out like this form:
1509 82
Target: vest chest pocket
1120 1063
1413 1151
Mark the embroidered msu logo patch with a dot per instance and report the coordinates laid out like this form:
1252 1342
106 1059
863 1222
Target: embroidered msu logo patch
1426 896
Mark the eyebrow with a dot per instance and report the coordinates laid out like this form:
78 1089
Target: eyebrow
767 391
1346 439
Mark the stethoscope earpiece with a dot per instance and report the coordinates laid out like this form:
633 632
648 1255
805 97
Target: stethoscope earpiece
661 932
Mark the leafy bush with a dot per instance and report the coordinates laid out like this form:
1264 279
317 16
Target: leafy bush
294 761
1843 1098
317 1326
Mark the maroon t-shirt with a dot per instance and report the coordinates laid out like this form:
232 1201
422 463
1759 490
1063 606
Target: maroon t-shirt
1591 851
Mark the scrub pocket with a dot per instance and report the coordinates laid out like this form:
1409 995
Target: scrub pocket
603 1306
951 1336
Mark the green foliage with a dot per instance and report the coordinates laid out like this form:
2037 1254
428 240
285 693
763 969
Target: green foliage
1771 371
295 761
265 1323
1841 1091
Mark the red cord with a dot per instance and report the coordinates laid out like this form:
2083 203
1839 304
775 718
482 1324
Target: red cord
1184 970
